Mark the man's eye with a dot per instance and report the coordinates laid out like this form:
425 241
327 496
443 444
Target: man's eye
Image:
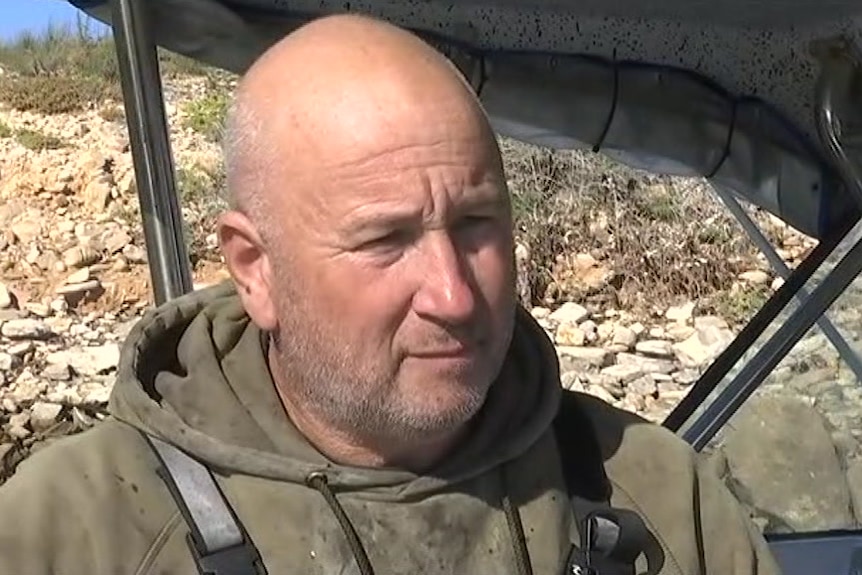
392 239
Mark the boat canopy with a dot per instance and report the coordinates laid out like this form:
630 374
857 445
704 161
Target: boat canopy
723 89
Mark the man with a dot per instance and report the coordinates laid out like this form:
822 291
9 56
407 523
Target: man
366 392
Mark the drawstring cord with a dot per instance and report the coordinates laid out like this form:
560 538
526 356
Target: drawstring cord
319 482
519 539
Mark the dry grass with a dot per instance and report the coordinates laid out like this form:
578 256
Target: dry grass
113 113
660 239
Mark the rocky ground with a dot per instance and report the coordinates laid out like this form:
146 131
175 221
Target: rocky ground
73 280
792 454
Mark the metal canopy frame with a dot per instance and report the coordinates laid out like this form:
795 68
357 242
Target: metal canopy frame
170 268
699 421
695 419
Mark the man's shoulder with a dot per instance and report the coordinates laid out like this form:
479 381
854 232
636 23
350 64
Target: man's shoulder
655 473
623 434
639 456
67 499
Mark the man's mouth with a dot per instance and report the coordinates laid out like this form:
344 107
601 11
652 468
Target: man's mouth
449 352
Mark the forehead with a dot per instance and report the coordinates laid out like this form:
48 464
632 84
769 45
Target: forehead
445 171
389 161
384 151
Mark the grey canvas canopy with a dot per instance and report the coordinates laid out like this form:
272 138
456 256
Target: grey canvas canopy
722 89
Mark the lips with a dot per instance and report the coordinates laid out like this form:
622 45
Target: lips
445 354
454 352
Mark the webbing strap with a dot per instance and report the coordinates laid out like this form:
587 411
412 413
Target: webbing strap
216 539
611 538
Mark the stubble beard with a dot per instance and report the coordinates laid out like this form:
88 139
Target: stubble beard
328 377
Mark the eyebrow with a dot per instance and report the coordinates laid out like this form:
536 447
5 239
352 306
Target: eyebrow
379 216
393 218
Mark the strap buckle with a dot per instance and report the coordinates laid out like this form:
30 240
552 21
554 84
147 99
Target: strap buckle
241 559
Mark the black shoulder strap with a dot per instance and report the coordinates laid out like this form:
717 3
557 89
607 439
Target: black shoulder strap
218 544
611 539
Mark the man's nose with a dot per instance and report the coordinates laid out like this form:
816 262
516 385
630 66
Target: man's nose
445 292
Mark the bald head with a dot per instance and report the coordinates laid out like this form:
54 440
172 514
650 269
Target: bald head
336 90
373 240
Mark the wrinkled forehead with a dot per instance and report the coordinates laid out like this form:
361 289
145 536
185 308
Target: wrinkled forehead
434 172
341 147
354 195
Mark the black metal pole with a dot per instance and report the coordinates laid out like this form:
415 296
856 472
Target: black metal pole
755 371
170 270
847 353
718 370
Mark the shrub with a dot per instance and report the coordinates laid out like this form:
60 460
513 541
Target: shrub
207 114
37 141
55 95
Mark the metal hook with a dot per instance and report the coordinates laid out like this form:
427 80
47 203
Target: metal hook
840 77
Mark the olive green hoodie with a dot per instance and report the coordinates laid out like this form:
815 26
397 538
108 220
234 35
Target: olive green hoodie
193 372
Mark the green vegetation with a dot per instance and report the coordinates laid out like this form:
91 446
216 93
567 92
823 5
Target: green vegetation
68 69
739 304
37 141
207 114
201 186
31 139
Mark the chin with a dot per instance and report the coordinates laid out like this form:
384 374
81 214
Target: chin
462 399
443 419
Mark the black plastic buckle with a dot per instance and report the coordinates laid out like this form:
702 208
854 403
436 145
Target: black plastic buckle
240 559
577 563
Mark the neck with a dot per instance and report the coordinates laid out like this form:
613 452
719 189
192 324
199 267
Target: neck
346 448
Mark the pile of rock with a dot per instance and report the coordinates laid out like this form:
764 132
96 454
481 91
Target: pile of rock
56 372
642 369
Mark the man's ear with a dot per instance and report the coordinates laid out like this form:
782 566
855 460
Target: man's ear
249 266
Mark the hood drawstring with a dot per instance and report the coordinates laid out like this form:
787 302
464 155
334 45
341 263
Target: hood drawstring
519 539
516 528
319 482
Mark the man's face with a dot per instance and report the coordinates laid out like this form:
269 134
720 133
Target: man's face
395 283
